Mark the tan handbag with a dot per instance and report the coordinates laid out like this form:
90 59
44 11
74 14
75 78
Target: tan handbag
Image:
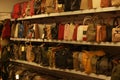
115 2
86 61
116 34
96 3
84 4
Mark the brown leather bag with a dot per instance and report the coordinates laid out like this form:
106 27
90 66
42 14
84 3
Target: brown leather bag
76 60
105 3
116 34
101 33
86 4
29 54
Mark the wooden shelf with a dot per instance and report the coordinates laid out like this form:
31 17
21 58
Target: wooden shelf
87 11
71 74
68 42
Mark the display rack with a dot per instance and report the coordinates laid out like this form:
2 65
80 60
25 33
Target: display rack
62 73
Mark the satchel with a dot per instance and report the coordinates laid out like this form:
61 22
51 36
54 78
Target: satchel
115 2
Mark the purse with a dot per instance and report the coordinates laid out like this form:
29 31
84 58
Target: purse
96 3
100 30
116 30
116 34
115 2
105 3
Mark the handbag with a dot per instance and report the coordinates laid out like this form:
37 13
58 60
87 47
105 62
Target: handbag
82 29
115 2
76 61
116 30
84 4
105 3
100 29
91 31
96 3
116 34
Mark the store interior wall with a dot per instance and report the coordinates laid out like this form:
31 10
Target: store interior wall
6 7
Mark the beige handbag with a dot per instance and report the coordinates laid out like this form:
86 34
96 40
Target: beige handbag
115 2
96 3
116 34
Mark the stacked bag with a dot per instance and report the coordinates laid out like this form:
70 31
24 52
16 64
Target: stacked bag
35 7
93 29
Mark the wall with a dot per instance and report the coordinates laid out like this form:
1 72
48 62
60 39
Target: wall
6 7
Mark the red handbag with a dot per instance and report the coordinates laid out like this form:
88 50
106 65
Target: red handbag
16 11
61 31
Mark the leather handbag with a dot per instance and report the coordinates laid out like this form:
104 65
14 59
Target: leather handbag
16 30
100 29
76 61
30 56
50 6
16 11
74 38
71 31
80 33
37 33
66 31
61 31
37 7
101 33
75 5
84 4
115 72
115 2
41 30
86 61
104 66
23 8
116 34
96 3
105 3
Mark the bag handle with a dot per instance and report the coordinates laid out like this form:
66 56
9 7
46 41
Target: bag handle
98 19
87 18
115 21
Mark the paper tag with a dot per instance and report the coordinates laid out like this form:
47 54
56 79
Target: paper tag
23 48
